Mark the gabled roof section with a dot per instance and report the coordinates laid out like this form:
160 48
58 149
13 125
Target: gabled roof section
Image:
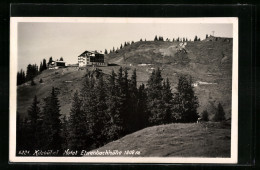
91 52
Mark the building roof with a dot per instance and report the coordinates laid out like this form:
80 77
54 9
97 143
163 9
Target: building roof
60 61
91 52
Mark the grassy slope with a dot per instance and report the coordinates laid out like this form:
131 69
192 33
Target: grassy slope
204 59
177 140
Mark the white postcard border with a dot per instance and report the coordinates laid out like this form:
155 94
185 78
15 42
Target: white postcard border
12 93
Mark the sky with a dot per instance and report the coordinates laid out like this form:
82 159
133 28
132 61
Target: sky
68 40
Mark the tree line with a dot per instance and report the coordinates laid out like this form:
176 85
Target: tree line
106 108
156 38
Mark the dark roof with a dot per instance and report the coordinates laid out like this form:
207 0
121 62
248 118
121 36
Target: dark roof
92 52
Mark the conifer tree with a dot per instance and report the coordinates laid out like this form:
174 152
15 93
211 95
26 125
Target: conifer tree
122 84
167 98
106 51
185 101
33 116
21 77
78 132
65 133
52 122
44 65
121 46
41 68
61 58
207 36
196 38
155 102
142 108
173 40
50 60
115 129
155 38
132 103
101 119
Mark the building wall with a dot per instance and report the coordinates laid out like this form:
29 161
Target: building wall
89 61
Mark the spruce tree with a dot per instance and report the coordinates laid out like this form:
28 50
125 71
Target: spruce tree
52 122
115 129
185 101
65 133
106 51
100 117
155 102
41 68
121 46
44 65
196 38
142 108
132 103
78 132
155 38
61 58
167 98
122 84
33 116
50 60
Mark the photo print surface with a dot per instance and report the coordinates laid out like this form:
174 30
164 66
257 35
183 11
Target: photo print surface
137 90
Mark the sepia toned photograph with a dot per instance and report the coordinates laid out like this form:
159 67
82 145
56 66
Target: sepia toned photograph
123 90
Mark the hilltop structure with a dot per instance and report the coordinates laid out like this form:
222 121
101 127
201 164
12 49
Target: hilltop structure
56 64
213 38
91 58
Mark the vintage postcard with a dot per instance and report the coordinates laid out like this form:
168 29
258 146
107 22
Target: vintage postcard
123 90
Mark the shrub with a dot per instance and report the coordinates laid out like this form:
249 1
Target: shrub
205 116
220 115
32 83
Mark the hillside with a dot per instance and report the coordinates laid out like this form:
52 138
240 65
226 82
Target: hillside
206 61
177 140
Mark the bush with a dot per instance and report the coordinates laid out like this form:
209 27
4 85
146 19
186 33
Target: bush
205 116
41 81
220 115
32 83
